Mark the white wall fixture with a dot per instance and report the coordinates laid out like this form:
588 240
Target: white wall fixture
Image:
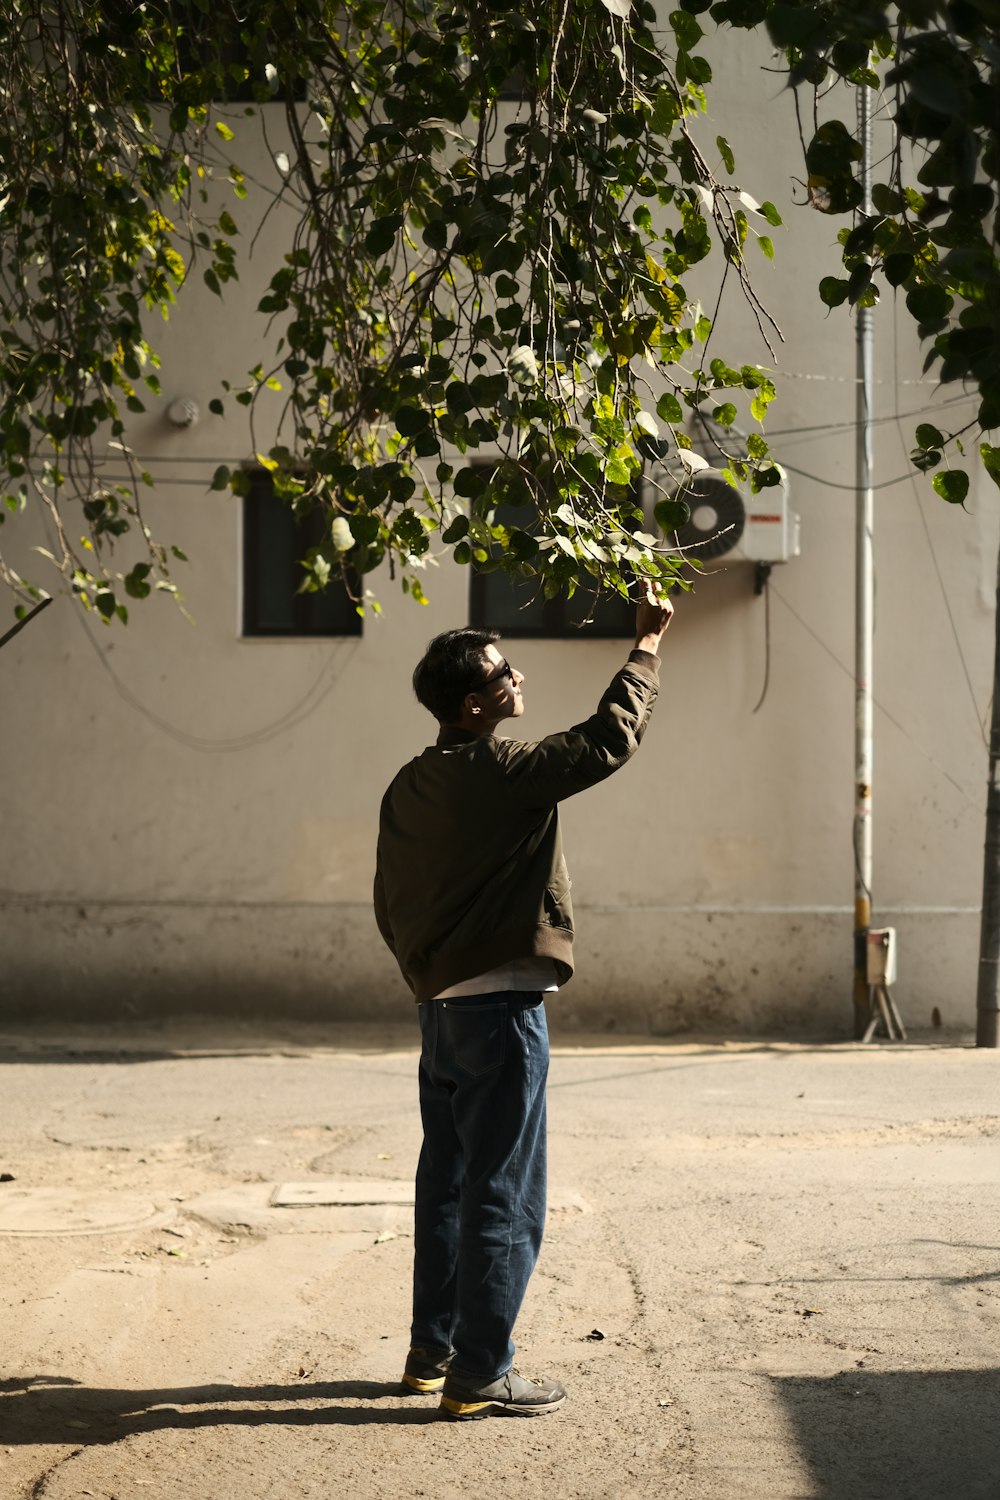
728 523
183 412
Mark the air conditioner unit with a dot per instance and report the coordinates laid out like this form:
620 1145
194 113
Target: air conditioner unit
730 525
727 524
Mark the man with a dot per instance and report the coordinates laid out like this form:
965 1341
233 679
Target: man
472 896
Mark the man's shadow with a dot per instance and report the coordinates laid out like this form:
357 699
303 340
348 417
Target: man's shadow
55 1409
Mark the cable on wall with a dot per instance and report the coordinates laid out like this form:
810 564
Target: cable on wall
847 671
762 585
980 724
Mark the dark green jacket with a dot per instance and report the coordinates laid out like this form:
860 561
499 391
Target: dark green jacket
470 872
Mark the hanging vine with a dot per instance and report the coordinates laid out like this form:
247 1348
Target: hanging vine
492 216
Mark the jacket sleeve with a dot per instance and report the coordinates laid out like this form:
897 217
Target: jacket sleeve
550 770
381 910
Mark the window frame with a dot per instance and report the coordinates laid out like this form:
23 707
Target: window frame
260 487
554 624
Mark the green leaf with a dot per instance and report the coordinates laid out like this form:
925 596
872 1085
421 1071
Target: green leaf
685 29
886 200
382 235
224 130
457 530
135 582
929 304
725 151
459 397
671 513
991 461
771 214
220 479
668 408
766 245
929 436
411 419
897 268
469 483
435 235
616 471
952 485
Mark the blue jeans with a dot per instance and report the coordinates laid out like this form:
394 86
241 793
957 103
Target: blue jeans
480 1194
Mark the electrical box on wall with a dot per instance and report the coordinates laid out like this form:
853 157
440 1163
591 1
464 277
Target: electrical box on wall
771 533
880 956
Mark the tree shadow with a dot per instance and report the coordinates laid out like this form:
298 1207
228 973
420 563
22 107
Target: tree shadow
908 1434
937 1278
183 1038
51 1409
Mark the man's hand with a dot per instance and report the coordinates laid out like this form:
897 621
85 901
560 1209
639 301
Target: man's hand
652 616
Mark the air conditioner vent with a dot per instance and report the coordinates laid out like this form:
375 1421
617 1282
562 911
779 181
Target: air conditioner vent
718 517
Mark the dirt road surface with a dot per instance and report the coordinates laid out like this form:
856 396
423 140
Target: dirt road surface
771 1272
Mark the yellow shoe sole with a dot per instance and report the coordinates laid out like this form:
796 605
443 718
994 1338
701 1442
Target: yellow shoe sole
465 1409
423 1387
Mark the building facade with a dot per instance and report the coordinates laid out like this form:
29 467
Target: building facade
190 805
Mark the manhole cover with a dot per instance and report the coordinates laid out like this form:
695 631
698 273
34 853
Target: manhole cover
56 1211
332 1191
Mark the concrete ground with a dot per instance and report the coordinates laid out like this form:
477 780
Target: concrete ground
771 1273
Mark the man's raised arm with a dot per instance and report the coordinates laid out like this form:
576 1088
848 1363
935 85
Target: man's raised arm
550 770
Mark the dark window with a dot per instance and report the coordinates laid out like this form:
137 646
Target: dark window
517 607
216 53
275 541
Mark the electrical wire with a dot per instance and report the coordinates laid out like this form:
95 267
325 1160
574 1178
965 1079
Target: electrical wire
764 574
980 718
307 705
848 672
849 379
895 416
229 458
834 484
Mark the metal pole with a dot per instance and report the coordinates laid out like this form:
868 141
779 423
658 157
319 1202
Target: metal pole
864 616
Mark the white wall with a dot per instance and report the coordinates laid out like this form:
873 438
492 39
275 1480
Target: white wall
189 818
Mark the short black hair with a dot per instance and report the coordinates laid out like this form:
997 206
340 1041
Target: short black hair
451 667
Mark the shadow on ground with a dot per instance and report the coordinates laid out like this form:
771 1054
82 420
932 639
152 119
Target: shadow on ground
197 1040
48 1409
908 1435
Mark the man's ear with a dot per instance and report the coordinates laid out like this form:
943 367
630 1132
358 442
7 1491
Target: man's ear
473 704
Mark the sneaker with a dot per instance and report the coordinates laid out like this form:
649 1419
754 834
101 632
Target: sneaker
465 1399
425 1368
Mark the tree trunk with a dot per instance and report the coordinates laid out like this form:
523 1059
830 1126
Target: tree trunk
988 988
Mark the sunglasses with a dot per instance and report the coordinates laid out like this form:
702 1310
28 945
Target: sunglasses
503 670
